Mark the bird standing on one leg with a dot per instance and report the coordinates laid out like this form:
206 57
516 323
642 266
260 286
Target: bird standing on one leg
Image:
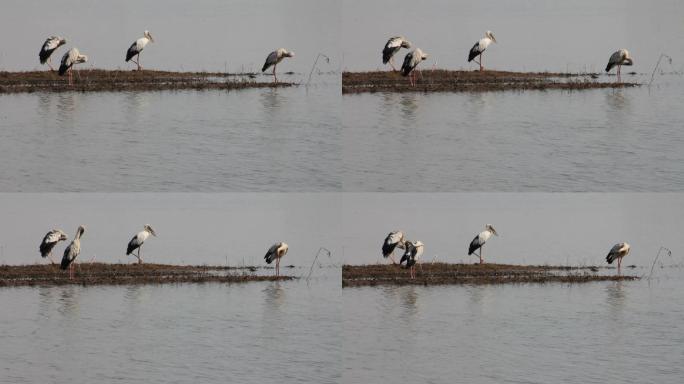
393 45
138 240
70 59
276 252
620 57
274 58
49 46
50 241
480 240
618 251
72 251
479 48
137 47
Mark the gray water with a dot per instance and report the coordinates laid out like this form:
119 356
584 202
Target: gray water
249 333
74 158
627 332
252 140
596 140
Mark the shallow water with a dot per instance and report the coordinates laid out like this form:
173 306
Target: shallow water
593 140
629 332
249 333
272 140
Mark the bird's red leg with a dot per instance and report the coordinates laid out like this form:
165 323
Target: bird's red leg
278 267
391 63
481 248
49 63
619 264
275 78
394 261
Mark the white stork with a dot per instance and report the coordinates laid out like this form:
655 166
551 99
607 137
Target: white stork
392 241
137 47
274 58
393 45
480 240
413 252
49 46
411 61
276 252
49 241
618 251
72 251
479 48
138 240
69 60
620 57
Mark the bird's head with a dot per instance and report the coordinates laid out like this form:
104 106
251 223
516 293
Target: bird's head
490 35
288 54
491 229
62 236
406 44
82 58
80 230
418 244
149 36
149 229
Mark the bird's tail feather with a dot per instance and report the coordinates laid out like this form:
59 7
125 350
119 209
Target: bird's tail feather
610 258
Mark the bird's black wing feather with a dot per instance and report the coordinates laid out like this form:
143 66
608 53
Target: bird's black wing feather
474 245
474 51
132 51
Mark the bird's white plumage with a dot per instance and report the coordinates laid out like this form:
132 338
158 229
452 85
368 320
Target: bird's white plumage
52 42
54 236
276 57
483 236
619 57
73 57
140 237
394 42
394 238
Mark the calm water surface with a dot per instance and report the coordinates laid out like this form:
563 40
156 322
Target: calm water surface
250 140
249 333
596 140
627 332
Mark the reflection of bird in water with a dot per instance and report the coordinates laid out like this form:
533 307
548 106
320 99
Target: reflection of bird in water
274 294
615 296
68 300
409 298
409 106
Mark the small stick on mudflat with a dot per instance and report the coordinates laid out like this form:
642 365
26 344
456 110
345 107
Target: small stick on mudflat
669 253
315 259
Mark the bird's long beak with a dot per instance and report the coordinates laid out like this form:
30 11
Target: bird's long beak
153 232
494 39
